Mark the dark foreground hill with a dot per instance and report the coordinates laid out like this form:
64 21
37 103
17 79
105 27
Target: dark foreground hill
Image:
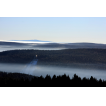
58 89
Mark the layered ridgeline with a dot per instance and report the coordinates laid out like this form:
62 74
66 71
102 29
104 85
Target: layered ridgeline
38 44
66 57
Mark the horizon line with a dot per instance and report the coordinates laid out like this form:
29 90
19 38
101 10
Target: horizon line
41 41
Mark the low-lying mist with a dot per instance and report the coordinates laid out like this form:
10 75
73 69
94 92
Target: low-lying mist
8 48
38 70
5 45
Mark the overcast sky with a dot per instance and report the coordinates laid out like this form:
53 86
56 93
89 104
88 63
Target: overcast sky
57 29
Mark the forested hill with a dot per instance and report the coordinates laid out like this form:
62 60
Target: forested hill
14 86
66 56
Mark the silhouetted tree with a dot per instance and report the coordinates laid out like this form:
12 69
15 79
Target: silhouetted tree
54 77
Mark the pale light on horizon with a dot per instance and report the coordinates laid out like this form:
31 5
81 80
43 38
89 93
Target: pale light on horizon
54 29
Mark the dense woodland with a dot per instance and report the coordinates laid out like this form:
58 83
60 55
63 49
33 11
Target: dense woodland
66 56
17 84
19 80
51 57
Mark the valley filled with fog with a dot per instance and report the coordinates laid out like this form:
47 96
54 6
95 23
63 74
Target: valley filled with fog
38 70
83 59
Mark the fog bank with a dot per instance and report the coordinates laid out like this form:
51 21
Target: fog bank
38 70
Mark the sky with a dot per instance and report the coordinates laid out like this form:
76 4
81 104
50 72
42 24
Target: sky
56 29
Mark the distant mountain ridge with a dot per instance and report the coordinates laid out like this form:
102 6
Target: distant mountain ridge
31 40
47 44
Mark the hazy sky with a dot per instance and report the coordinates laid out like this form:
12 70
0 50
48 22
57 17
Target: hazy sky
57 29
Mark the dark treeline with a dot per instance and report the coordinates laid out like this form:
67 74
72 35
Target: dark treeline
66 56
22 88
19 79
